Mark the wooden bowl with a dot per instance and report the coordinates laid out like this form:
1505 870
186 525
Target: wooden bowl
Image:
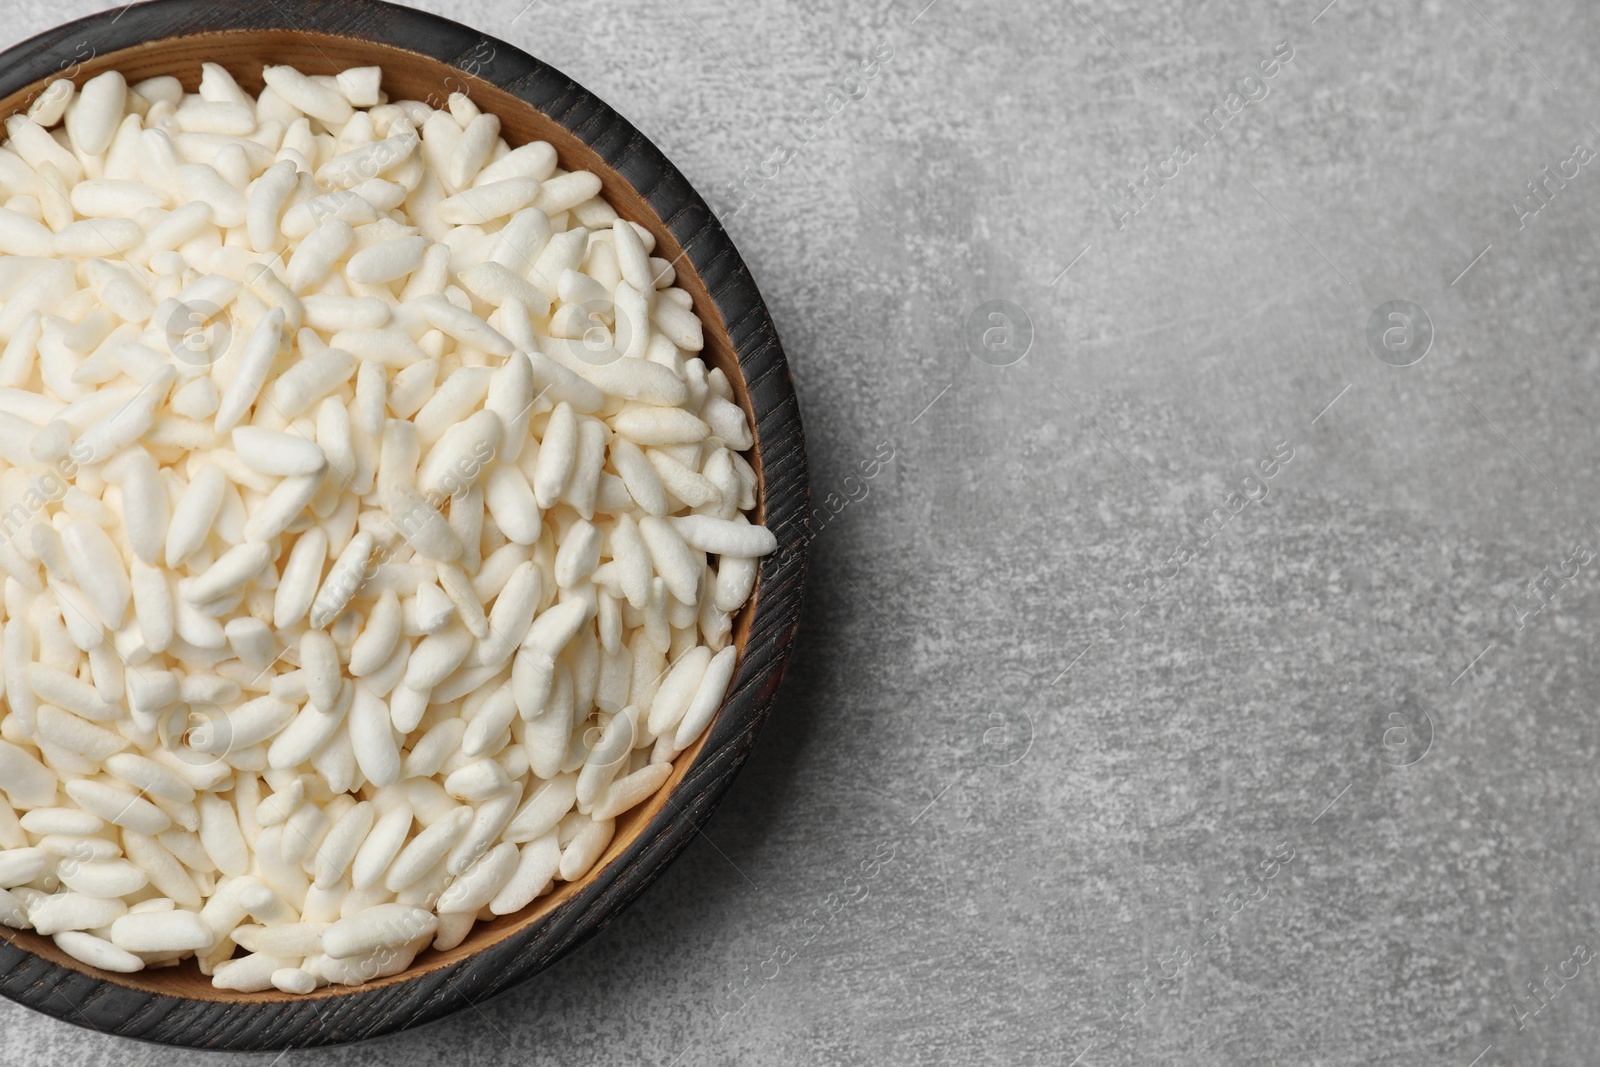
426 57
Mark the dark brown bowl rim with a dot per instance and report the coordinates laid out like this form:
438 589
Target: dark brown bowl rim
361 1013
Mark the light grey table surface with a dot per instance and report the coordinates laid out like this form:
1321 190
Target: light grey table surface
1325 792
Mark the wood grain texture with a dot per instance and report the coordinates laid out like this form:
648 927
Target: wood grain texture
428 57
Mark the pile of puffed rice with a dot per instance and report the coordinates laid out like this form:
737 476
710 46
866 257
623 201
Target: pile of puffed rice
370 525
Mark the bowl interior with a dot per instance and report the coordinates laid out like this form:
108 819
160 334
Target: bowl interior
409 75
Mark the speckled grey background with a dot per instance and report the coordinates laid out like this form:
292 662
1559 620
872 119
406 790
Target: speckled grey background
1009 810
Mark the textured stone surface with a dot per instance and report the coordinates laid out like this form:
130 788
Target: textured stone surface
989 822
